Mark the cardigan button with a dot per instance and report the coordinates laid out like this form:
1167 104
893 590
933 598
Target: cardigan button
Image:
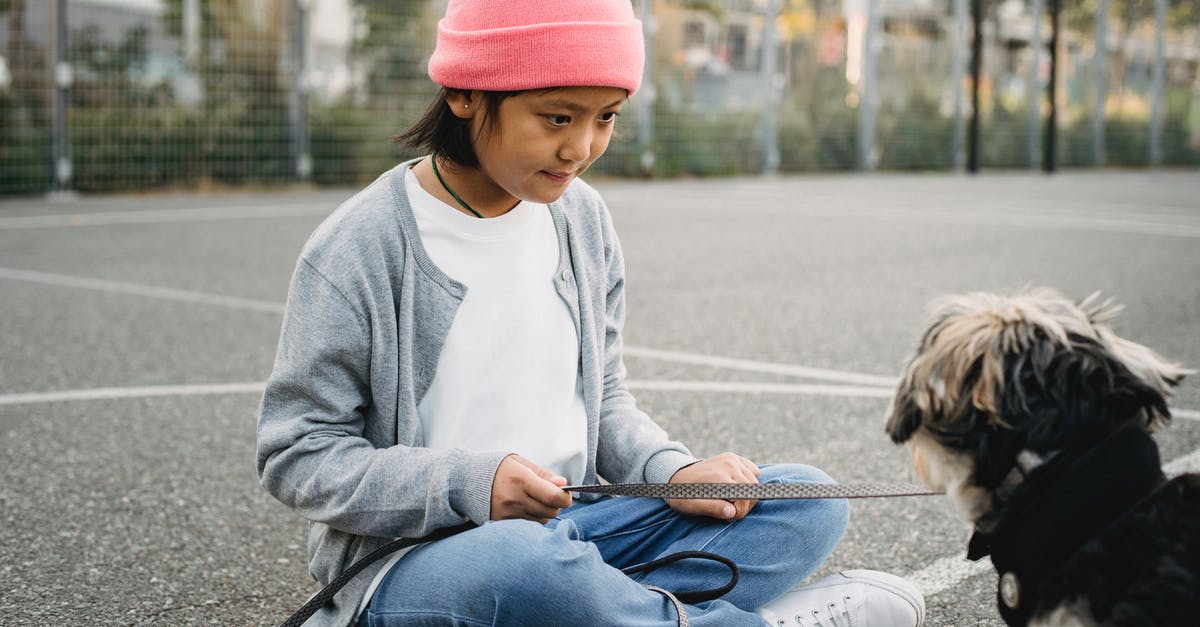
566 275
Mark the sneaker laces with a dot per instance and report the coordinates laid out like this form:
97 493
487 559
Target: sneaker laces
830 616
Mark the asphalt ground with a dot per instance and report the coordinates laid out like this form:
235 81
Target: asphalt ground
765 316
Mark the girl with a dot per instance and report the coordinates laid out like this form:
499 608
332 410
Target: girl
451 352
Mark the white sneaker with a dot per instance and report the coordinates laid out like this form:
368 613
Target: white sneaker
851 598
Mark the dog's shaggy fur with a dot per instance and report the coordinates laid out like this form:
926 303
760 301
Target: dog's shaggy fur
1033 416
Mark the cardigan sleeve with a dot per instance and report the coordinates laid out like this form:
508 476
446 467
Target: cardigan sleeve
313 454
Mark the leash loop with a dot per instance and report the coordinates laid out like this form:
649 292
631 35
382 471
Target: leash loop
695 596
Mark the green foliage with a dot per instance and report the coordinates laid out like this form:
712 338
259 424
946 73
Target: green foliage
24 150
351 146
394 40
831 144
107 73
915 136
706 144
1004 139
169 147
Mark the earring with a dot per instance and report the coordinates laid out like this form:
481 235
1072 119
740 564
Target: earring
466 106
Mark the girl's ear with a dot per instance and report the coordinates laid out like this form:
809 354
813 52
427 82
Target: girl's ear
462 103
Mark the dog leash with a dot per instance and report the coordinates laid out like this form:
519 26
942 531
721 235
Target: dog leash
755 491
720 491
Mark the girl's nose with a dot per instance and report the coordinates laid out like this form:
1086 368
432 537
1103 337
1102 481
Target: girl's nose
577 147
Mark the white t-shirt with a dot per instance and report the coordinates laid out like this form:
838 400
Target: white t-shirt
508 375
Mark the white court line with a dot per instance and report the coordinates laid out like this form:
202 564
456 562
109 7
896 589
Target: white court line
137 289
752 387
947 572
1022 219
758 366
146 391
1185 413
277 308
1185 464
166 216
247 387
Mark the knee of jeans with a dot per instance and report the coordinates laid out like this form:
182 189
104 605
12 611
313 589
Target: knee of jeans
833 514
793 473
534 556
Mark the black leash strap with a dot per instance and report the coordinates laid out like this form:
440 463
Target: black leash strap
326 594
722 491
698 596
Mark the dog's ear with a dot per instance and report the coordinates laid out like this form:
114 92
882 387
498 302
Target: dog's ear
946 381
1143 363
903 415
1059 396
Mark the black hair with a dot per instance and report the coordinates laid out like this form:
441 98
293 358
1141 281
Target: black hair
442 133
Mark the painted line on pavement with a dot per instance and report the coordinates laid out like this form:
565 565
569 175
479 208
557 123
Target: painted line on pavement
753 387
137 289
108 393
1185 413
145 391
730 363
1027 219
232 302
947 572
166 216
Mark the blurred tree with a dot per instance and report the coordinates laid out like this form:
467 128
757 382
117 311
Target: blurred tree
24 109
106 73
240 42
393 42
238 52
26 62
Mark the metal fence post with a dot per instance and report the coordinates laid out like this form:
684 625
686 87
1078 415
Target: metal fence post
958 69
298 90
60 66
1049 161
191 32
1156 81
647 93
976 65
869 99
771 86
1034 93
1100 71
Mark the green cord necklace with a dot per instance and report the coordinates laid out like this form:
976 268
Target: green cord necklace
433 161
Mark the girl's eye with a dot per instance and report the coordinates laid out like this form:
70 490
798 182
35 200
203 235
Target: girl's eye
609 116
559 120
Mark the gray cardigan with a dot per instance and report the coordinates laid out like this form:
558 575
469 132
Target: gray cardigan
339 439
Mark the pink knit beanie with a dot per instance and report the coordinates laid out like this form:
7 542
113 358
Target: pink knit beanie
513 45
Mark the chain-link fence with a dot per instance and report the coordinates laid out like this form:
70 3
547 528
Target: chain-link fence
100 95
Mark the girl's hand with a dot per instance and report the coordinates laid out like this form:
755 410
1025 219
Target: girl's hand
724 468
523 490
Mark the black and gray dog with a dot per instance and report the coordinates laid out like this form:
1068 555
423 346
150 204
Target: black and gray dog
1034 417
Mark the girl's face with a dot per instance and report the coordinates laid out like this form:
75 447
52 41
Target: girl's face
539 141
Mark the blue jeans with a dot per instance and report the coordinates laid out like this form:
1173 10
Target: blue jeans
567 572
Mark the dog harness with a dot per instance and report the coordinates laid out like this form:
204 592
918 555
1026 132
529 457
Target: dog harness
1060 506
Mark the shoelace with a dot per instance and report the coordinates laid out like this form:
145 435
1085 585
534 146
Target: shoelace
831 617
